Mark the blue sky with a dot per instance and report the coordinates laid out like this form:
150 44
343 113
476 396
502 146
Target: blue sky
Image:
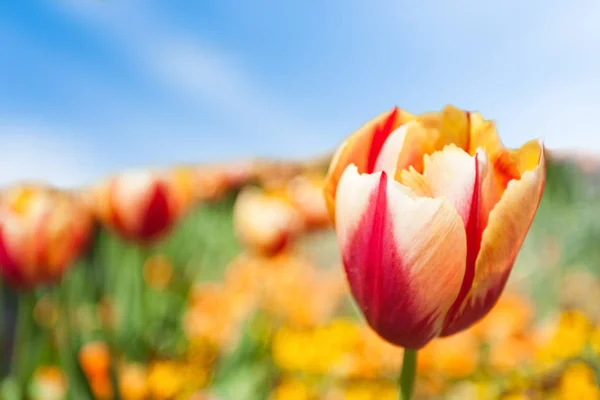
92 87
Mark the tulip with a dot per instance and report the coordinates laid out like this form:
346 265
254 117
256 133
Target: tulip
430 213
42 231
305 191
95 361
265 221
142 205
132 382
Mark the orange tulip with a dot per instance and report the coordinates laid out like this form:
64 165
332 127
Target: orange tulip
430 212
142 205
42 231
95 359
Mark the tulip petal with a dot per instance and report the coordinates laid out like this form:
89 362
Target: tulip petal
404 255
388 156
9 266
362 149
451 126
507 227
450 173
504 165
528 156
405 148
483 135
158 213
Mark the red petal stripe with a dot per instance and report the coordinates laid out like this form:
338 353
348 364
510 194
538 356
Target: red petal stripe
380 134
474 232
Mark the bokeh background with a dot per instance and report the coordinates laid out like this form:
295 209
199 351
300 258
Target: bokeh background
244 297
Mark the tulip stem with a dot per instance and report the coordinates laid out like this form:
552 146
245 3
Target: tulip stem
23 361
408 374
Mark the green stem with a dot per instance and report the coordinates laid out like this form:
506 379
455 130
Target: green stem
62 330
138 310
100 285
22 357
6 322
68 343
408 374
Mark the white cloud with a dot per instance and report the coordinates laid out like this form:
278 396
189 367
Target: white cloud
32 154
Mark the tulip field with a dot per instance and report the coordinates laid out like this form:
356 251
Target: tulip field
226 282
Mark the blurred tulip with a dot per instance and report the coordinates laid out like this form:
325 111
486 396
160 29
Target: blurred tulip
48 383
141 205
430 213
95 359
265 221
42 231
132 382
306 193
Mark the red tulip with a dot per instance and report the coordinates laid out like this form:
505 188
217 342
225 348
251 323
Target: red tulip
142 205
42 231
430 213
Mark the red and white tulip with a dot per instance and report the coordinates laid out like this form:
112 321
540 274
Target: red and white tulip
42 231
430 212
142 205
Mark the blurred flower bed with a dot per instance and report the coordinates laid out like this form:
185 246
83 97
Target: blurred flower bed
225 283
